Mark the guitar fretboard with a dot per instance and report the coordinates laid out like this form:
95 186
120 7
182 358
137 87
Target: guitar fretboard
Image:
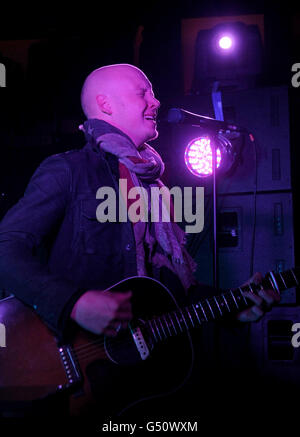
216 307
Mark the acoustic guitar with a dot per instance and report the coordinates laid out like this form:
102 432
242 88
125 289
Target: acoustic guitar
139 363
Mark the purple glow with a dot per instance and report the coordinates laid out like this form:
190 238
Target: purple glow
225 42
198 157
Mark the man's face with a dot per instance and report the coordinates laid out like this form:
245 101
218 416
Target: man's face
134 107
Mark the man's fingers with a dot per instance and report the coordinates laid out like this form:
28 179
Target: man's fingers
268 299
257 311
124 295
251 314
256 279
110 332
123 316
263 300
115 326
255 299
124 307
269 296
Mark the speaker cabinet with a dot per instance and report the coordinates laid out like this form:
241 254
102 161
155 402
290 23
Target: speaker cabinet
247 241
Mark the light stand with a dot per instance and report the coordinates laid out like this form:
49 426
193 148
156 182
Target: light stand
214 190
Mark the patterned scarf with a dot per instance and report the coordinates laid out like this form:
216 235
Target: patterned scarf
161 242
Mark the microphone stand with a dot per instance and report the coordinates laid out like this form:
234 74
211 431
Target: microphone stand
213 134
213 143
218 110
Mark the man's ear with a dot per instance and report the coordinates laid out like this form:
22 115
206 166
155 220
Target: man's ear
103 104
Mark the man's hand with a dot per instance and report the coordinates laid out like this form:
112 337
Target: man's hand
263 302
103 312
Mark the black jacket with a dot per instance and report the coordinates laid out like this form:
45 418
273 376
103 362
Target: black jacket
58 212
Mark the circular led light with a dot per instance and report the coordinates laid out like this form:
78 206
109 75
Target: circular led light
225 42
198 157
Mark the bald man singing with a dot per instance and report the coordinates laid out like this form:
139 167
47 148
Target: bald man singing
86 256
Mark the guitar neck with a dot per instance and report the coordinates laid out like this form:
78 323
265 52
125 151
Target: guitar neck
216 307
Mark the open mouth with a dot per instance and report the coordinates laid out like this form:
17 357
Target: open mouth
151 118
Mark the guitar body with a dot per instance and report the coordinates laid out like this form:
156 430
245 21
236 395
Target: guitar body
103 374
107 376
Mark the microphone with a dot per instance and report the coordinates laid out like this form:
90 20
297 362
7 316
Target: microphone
178 115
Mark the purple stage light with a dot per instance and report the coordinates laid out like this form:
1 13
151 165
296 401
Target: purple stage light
198 157
225 42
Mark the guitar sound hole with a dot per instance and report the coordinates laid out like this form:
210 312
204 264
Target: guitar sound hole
122 349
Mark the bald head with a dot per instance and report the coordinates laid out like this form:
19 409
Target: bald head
122 95
105 82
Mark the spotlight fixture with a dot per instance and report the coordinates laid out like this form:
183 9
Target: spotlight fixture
225 42
198 155
229 53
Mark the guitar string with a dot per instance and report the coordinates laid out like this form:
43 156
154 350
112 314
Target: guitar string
88 350
92 351
98 342
82 350
95 352
90 346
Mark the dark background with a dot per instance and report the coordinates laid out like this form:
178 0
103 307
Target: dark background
40 107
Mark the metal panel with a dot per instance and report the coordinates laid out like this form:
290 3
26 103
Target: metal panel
273 244
271 345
